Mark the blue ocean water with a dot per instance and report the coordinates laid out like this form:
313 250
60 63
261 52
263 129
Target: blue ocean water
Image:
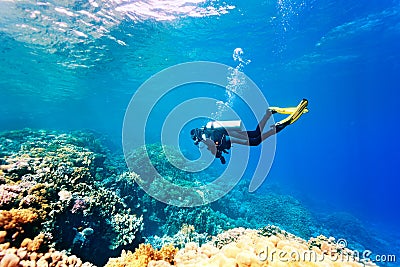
75 65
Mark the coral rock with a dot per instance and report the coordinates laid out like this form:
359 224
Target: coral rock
22 253
9 260
159 263
33 245
3 236
42 263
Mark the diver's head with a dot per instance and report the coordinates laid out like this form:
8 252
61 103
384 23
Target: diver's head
196 135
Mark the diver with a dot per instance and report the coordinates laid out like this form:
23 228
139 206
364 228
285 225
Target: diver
219 136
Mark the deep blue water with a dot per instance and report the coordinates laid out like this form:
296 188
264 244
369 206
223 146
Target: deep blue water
343 56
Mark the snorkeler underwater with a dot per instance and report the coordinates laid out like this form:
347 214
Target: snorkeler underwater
199 133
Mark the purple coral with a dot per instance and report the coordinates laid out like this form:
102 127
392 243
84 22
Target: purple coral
9 193
79 205
6 196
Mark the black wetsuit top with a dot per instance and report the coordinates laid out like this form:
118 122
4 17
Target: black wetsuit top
222 140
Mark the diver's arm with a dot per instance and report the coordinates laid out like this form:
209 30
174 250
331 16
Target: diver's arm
210 145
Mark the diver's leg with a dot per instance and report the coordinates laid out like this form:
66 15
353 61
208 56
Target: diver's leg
239 141
269 133
276 128
252 138
261 125
247 142
253 141
263 121
253 134
238 134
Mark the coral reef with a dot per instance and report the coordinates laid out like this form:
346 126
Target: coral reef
185 235
59 176
149 178
272 208
343 224
145 255
204 219
127 226
16 218
30 254
65 199
17 249
16 224
168 219
242 247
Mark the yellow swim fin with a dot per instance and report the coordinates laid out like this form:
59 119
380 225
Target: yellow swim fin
288 110
296 114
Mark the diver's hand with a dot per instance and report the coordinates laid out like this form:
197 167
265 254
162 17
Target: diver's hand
210 146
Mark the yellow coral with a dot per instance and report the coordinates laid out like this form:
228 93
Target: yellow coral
16 218
143 255
39 199
166 253
33 245
140 258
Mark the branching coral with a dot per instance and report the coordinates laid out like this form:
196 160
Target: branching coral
185 235
143 255
126 226
9 194
166 253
